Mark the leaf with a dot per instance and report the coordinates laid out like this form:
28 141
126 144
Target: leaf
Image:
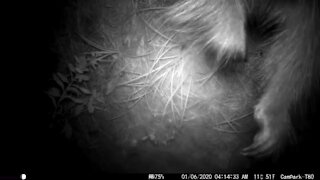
77 59
71 67
62 77
85 90
78 100
94 63
58 81
78 110
81 77
82 64
54 92
82 70
73 90
82 61
79 70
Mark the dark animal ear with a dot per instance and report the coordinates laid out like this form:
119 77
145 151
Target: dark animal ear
262 24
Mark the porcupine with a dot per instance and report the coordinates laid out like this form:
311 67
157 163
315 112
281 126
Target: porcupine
290 68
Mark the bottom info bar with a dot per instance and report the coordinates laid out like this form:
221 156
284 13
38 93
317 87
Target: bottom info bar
241 176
